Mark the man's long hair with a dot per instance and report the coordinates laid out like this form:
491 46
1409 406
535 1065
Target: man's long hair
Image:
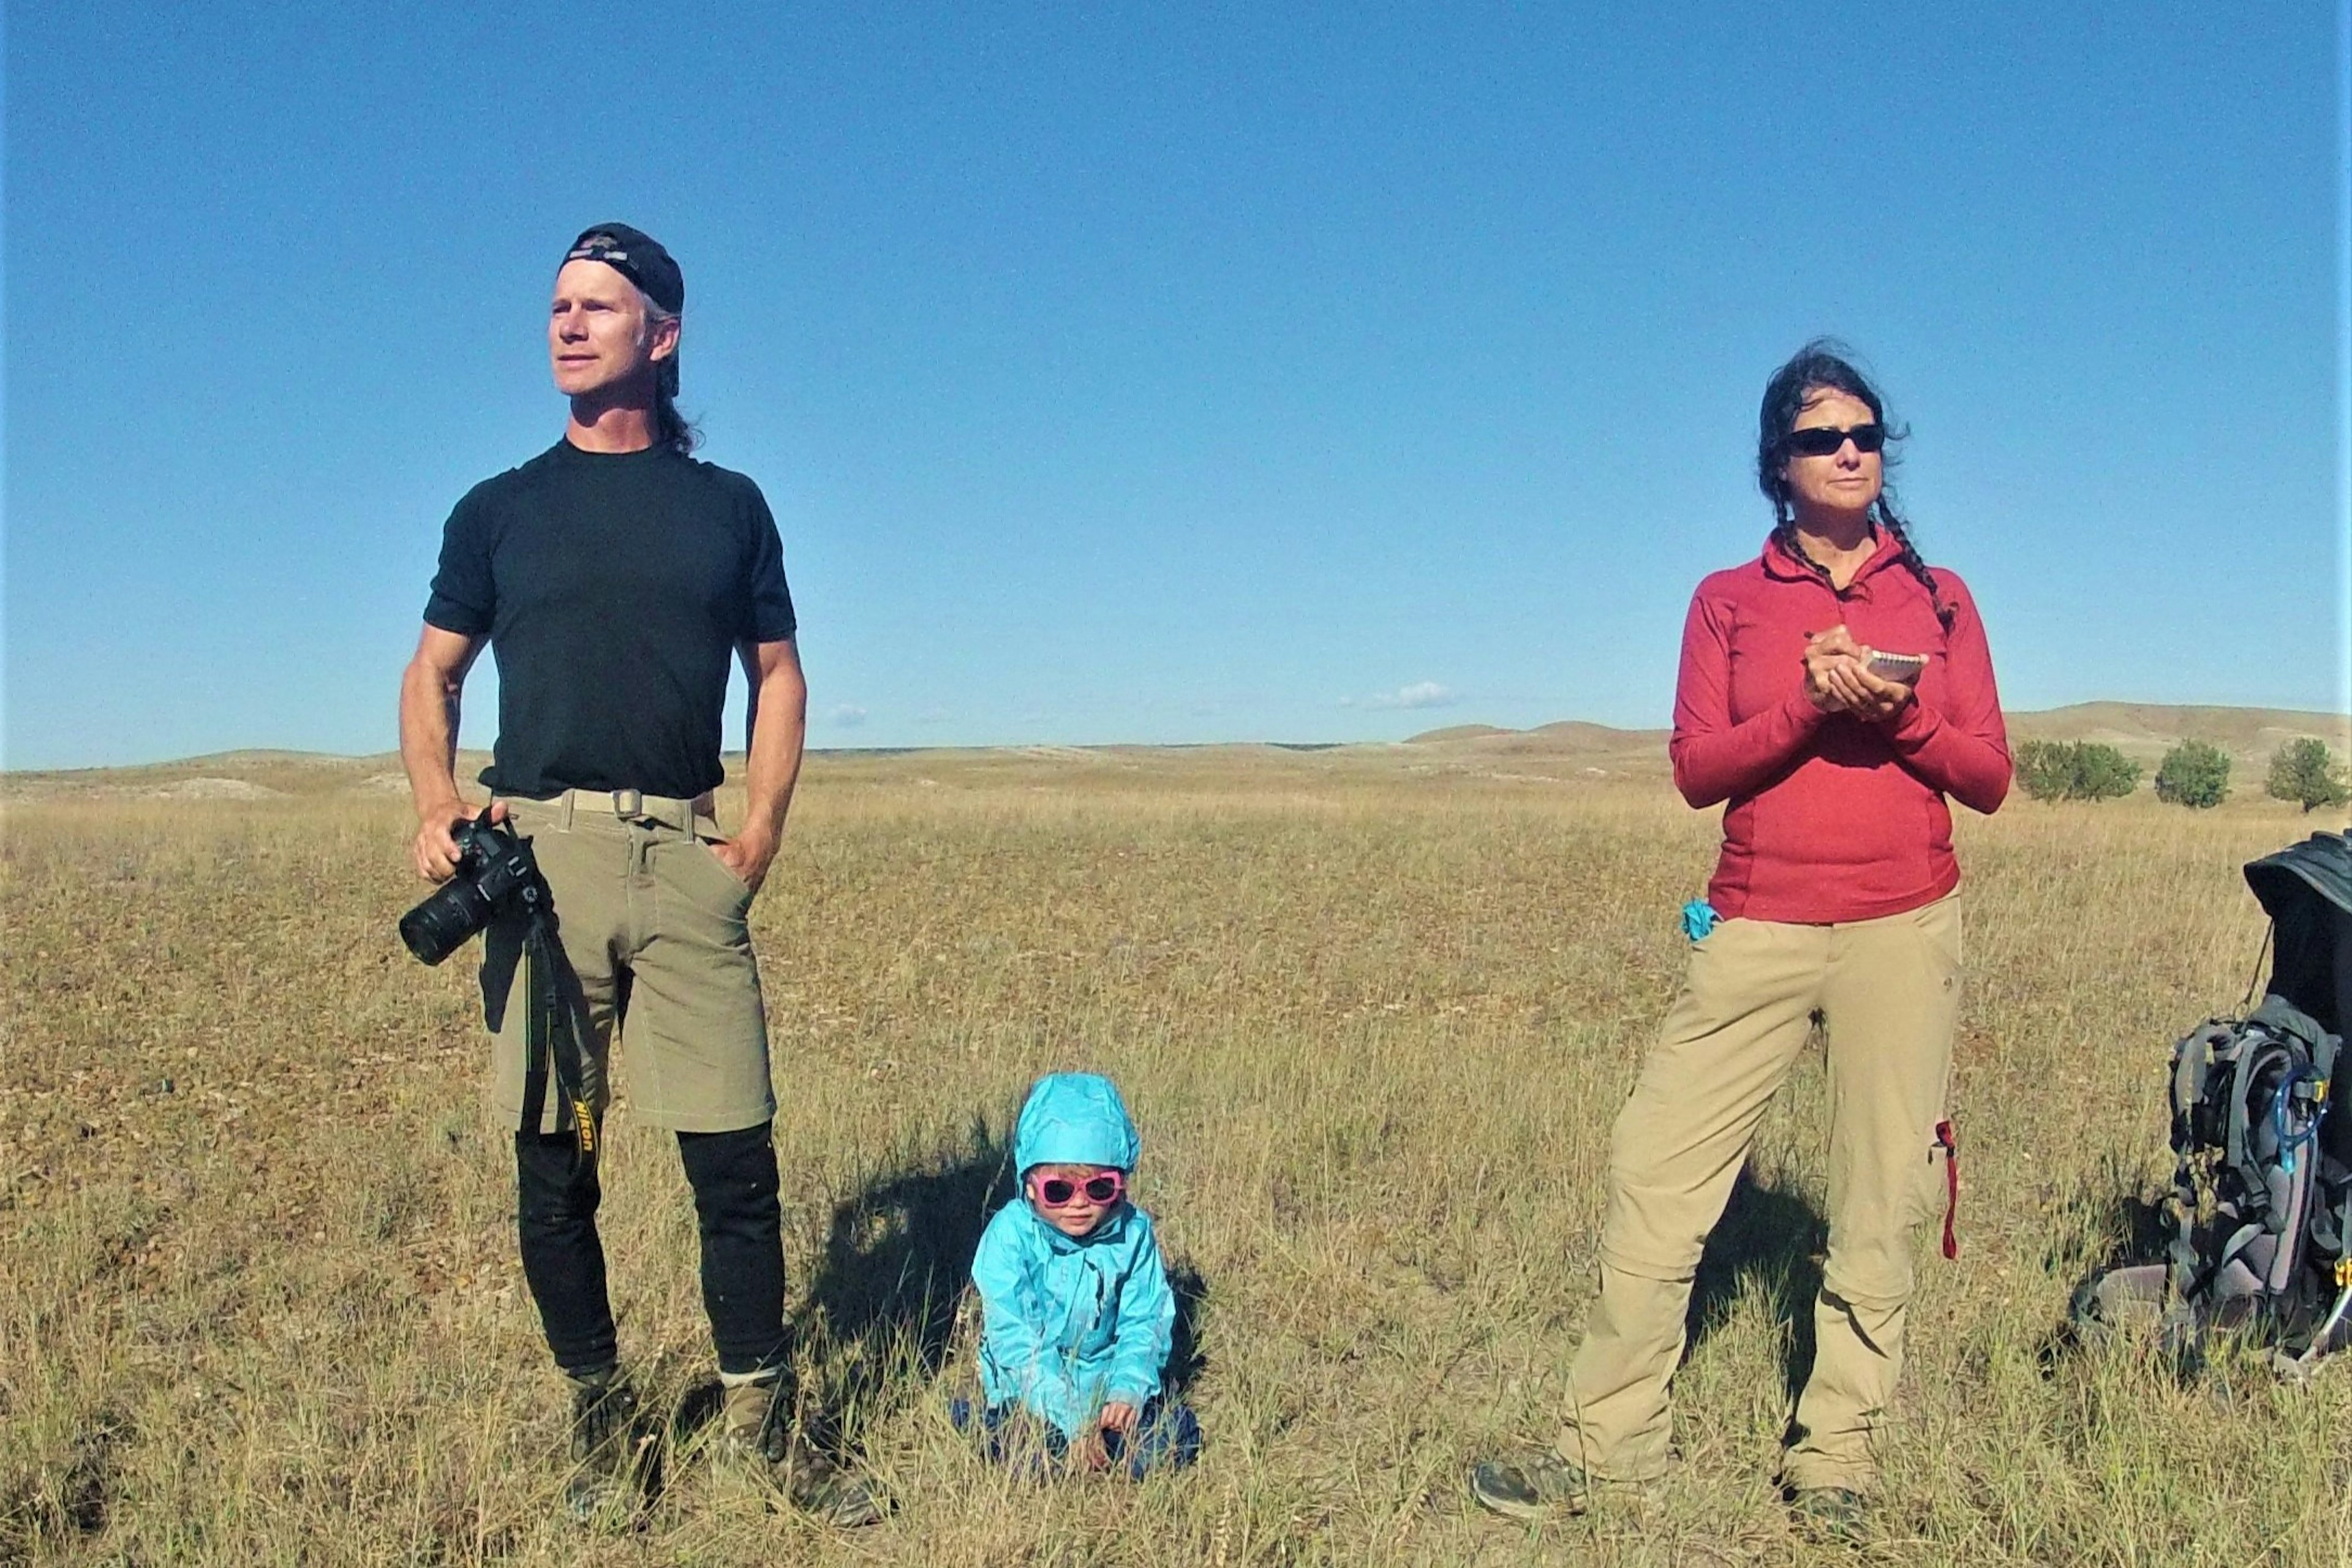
671 428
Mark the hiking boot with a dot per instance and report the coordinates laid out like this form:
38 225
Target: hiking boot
1538 1486
1830 1514
761 1452
607 1441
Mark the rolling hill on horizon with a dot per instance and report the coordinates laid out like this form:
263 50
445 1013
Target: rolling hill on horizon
1565 748
2143 731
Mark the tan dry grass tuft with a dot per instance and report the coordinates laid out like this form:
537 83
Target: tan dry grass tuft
258 1294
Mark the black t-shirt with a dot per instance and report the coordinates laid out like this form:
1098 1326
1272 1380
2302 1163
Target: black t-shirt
614 588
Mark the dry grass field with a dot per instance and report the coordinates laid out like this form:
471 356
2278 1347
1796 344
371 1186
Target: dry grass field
260 1302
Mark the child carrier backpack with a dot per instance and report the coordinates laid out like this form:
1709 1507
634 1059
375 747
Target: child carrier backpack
2261 1204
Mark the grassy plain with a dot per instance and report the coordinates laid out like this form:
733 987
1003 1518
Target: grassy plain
259 1299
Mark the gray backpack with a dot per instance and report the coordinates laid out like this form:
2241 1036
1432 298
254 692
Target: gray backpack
2261 1207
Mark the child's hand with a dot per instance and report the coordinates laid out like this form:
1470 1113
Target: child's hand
1087 1453
1120 1419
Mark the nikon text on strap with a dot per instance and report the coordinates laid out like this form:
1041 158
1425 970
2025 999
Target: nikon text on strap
552 1037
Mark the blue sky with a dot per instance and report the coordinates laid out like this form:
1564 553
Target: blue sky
1172 373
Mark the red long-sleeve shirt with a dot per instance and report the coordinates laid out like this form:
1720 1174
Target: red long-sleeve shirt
1832 818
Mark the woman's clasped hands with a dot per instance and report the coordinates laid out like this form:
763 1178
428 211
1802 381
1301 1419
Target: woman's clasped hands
1838 679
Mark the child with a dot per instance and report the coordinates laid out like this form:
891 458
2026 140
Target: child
1076 1308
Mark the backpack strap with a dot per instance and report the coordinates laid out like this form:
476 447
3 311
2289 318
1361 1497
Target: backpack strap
2192 1058
2238 1148
2193 1063
2331 1227
2218 1278
2289 1219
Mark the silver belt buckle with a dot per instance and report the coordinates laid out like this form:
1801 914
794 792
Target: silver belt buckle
628 805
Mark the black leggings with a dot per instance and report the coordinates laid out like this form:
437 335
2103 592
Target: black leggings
734 1179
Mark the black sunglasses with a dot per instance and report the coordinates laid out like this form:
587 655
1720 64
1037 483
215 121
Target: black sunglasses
1822 440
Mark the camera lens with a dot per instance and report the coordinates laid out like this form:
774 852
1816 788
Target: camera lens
440 925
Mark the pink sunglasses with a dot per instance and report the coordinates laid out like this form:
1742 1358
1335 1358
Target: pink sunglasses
1060 1192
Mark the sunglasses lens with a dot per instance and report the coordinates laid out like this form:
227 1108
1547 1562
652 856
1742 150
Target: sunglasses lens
1056 1191
1102 1189
1822 440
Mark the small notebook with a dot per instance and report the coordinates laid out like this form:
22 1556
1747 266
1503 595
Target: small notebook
1903 668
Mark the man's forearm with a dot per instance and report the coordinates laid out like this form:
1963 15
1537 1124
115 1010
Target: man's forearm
429 734
778 733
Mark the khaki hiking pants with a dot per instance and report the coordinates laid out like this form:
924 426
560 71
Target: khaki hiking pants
1888 991
656 946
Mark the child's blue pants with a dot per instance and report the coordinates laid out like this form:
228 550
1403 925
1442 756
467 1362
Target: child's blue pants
1167 1437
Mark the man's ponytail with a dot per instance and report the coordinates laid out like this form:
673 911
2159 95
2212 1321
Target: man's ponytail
671 428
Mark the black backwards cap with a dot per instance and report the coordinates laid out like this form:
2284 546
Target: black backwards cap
635 255
639 257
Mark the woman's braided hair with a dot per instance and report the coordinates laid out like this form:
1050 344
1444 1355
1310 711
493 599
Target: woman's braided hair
1826 365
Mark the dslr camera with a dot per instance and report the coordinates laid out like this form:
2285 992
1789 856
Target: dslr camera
495 873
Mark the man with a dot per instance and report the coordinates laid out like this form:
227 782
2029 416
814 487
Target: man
613 576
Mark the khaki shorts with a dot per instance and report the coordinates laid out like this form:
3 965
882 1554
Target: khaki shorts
655 947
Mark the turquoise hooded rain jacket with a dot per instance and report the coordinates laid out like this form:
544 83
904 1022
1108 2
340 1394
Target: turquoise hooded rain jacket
1070 1326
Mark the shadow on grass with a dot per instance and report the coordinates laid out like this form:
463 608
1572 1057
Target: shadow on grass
2125 1230
898 1256
1767 1240
1185 1360
898 1251
2125 1226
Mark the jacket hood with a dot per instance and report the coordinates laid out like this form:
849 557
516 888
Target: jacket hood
1077 1119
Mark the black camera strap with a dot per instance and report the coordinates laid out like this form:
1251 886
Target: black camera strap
553 1037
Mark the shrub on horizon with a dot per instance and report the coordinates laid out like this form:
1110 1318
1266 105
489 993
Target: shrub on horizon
2305 772
2102 773
2044 769
2074 770
2194 773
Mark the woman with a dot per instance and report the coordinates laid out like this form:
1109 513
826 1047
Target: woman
1833 894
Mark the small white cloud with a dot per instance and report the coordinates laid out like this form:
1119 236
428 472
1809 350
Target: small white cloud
847 715
1419 694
